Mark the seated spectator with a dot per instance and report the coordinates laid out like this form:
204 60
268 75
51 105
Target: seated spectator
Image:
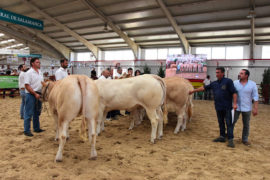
94 74
137 72
118 73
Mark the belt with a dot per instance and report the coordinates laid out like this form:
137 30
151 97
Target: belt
22 88
38 92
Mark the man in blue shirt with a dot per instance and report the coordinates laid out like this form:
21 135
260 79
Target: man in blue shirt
224 93
246 91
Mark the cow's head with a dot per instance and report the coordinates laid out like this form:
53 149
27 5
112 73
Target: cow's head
46 89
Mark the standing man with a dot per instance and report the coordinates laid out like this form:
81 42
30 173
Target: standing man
22 68
207 93
224 93
246 91
33 86
61 73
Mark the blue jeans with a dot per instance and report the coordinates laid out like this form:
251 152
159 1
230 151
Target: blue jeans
22 93
225 116
32 109
245 119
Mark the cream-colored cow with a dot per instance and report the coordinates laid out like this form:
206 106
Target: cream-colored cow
147 91
178 100
68 98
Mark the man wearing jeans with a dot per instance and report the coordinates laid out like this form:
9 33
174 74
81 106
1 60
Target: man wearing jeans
224 93
33 86
246 91
22 88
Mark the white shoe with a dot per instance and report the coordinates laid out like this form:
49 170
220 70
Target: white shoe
108 119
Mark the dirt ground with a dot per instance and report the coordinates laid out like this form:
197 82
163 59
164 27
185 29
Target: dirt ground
124 154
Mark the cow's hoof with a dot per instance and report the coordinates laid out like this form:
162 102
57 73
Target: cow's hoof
93 158
58 160
130 128
56 139
67 138
152 141
175 132
160 137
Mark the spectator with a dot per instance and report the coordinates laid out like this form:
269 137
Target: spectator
137 72
22 69
118 73
61 73
207 92
130 72
94 74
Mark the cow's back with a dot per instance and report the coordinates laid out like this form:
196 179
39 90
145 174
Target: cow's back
66 96
177 92
144 90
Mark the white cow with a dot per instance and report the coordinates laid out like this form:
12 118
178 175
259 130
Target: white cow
147 91
68 98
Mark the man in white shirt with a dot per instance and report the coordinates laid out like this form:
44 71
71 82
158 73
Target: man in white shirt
22 68
118 74
105 75
207 93
33 87
61 73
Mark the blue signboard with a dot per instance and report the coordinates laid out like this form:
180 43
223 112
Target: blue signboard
30 55
20 19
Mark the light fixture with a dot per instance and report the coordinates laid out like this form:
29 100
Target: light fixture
251 14
105 29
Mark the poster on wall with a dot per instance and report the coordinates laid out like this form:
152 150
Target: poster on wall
12 58
189 66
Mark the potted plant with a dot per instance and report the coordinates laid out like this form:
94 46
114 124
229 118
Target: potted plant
161 72
146 69
265 85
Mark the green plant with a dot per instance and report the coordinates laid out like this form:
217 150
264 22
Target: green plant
146 69
265 85
161 72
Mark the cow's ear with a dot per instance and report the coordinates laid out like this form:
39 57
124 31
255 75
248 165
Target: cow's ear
43 83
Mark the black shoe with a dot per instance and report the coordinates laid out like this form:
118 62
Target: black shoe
28 134
246 143
230 143
220 139
39 130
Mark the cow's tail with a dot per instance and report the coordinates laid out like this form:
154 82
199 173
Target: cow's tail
82 85
163 106
190 104
190 108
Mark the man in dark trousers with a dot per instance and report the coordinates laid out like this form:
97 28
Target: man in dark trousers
224 93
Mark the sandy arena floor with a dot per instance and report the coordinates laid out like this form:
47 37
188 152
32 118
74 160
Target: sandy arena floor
124 154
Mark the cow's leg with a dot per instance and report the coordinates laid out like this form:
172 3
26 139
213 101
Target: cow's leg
184 124
100 119
63 127
133 117
160 123
180 115
92 137
152 115
55 117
